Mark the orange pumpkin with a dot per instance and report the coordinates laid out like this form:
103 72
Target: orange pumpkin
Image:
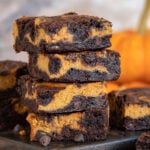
134 48
134 85
112 86
130 45
146 74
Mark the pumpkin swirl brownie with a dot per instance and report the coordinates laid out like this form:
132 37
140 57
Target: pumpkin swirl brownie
143 141
75 67
68 32
78 126
9 72
130 109
51 97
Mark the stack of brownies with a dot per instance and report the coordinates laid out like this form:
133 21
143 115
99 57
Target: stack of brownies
68 67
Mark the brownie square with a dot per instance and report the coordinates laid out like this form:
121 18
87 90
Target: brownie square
130 108
50 97
10 71
86 66
78 126
68 32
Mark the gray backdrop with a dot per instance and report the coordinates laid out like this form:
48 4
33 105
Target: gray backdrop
122 13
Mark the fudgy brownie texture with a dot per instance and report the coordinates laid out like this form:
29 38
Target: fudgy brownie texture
68 32
143 141
130 109
60 97
9 72
75 67
12 113
79 126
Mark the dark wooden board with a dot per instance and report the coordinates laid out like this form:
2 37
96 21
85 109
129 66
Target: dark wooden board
117 140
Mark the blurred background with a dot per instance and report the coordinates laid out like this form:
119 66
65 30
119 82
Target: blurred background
123 14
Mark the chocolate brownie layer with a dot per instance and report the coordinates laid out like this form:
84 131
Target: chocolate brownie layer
69 32
79 126
12 113
143 141
9 72
130 109
75 67
61 98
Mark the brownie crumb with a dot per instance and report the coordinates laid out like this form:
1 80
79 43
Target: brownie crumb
45 140
22 132
79 138
17 128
